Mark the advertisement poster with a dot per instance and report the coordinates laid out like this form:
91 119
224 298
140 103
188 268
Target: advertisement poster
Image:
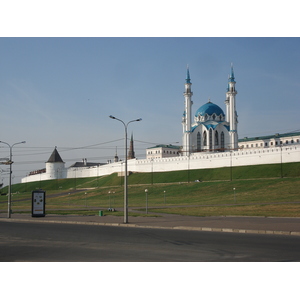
38 203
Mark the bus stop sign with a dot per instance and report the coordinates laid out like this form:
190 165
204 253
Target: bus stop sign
38 203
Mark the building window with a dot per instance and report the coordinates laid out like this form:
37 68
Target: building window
222 141
266 144
210 139
198 141
204 138
216 138
286 142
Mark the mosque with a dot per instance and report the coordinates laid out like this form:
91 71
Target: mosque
211 129
209 140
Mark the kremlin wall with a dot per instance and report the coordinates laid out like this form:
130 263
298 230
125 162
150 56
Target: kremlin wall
202 160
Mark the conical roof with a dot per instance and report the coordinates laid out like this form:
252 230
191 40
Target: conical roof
55 157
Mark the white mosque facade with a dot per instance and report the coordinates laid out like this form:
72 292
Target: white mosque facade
209 140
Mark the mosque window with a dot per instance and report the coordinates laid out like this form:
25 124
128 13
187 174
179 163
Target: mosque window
204 138
198 141
222 140
216 138
210 139
286 142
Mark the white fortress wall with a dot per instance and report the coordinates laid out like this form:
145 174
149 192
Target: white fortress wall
201 160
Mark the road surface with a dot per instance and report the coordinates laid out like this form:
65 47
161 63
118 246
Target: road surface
49 242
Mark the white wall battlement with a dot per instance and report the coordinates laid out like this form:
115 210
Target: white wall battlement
200 160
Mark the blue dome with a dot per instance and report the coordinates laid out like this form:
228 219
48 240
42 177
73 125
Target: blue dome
210 109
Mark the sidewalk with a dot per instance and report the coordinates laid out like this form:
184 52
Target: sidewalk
260 225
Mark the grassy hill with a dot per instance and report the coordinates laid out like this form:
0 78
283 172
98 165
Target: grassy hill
267 190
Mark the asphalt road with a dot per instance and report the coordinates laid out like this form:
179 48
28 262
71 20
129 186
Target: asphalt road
46 242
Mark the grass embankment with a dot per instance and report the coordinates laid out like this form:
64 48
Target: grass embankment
253 191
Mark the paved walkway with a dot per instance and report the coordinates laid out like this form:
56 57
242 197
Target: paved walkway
261 225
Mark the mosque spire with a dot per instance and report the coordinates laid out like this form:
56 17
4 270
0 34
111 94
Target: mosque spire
231 78
188 78
187 115
231 111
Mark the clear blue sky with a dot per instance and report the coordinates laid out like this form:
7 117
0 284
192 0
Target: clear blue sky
60 91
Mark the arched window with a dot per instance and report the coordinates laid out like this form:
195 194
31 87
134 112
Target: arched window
198 141
204 138
210 139
223 141
216 138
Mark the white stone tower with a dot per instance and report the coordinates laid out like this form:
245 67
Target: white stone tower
231 108
187 115
55 167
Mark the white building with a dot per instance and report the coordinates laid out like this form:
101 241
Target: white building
270 141
162 151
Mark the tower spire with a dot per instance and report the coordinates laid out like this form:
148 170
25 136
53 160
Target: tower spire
188 78
187 114
231 78
131 153
116 156
231 115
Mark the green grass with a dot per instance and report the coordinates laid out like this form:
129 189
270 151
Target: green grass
259 190
263 210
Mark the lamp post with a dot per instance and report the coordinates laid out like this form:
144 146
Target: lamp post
109 200
234 195
146 191
125 175
10 162
164 197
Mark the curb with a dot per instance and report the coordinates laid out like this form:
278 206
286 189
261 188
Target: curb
189 228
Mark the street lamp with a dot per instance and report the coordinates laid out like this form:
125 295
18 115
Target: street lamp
109 200
125 175
10 162
234 195
146 191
